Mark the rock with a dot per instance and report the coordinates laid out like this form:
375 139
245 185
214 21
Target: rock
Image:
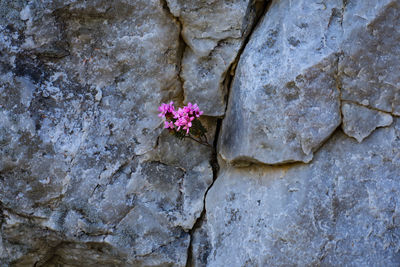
339 209
271 117
205 76
359 122
89 177
371 52
214 31
200 245
85 176
284 101
193 161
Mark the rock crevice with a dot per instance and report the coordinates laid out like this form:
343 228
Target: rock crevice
301 102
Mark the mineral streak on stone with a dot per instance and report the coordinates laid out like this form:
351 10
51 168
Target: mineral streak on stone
284 100
341 209
369 66
214 32
359 122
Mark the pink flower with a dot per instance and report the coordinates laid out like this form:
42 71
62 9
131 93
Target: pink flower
166 109
182 112
194 109
169 125
182 118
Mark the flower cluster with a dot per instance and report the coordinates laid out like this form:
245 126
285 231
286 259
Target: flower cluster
182 118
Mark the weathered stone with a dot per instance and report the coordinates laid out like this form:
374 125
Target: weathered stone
284 100
204 77
200 245
341 209
369 66
88 177
359 122
81 173
214 32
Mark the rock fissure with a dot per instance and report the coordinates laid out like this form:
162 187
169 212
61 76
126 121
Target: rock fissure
338 85
88 177
261 9
30 217
215 168
369 107
299 115
229 75
181 49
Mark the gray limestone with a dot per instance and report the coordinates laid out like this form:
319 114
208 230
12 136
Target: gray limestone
284 101
359 121
298 66
214 31
369 64
85 176
89 177
342 209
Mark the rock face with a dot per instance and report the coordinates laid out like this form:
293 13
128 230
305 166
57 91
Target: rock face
301 64
285 97
284 101
88 177
342 208
212 46
371 55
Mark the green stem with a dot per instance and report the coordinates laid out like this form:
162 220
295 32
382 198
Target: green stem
199 141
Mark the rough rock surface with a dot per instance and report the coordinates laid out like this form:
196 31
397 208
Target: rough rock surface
284 104
359 121
284 100
369 64
341 209
86 178
214 32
